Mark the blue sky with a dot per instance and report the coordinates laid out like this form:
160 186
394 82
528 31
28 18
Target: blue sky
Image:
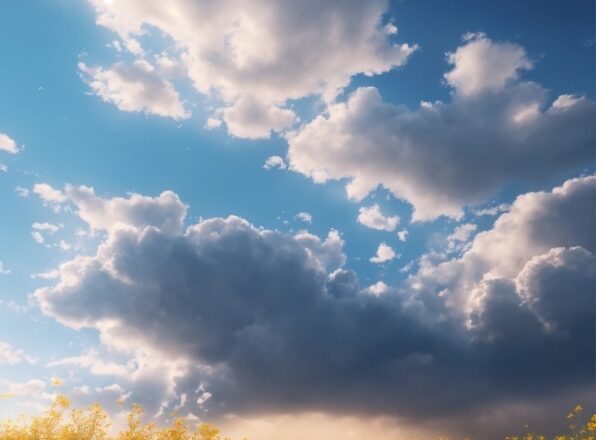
509 112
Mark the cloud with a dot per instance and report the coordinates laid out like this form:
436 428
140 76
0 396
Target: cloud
92 361
275 162
535 224
33 387
38 229
306 217
50 197
38 237
402 235
3 270
484 65
373 218
47 275
503 207
21 192
8 144
255 62
165 212
246 311
3 168
213 123
46 227
10 355
135 87
250 119
460 235
444 156
384 253
378 289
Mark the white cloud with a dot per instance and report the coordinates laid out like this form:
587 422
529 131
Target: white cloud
10 355
3 270
390 29
135 87
377 289
567 101
48 194
50 197
21 192
384 253
165 211
3 168
461 234
38 237
304 216
373 218
275 162
536 223
255 62
47 275
442 156
92 361
213 123
46 227
503 207
8 144
40 228
33 387
483 65
250 119
402 235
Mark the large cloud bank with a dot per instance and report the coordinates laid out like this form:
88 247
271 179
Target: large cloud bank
264 321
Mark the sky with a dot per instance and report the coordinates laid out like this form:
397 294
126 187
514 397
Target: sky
294 219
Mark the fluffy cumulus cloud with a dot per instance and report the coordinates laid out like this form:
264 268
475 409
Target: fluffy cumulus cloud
482 65
251 119
384 253
165 212
545 234
135 87
255 57
274 162
443 156
8 144
244 311
373 218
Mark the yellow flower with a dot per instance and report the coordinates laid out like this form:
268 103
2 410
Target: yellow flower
62 401
592 424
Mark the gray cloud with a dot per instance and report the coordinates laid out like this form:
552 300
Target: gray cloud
266 321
